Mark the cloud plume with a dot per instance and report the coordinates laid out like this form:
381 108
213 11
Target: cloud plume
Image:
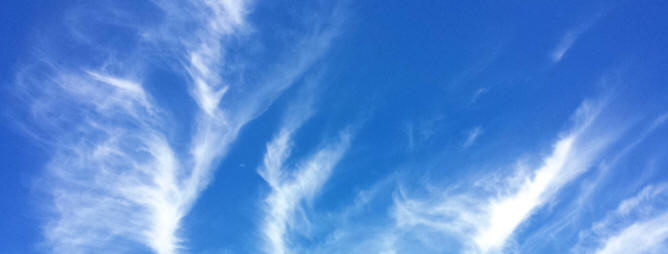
484 221
292 186
118 177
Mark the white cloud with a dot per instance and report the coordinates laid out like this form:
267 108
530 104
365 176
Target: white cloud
506 213
570 37
575 212
485 221
639 224
564 45
472 136
285 202
477 94
291 187
642 237
647 194
117 178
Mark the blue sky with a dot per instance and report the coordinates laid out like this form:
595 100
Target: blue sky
334 127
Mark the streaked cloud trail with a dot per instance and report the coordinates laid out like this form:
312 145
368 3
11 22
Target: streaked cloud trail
564 45
487 227
472 136
118 179
571 36
333 127
639 224
292 186
641 237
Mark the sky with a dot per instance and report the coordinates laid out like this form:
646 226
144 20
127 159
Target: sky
289 127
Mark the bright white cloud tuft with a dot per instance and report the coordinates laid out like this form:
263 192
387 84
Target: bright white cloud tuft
291 187
485 221
118 179
642 237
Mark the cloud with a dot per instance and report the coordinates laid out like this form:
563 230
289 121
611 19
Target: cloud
564 45
484 219
639 224
642 237
646 220
291 187
419 132
120 176
648 193
284 204
570 37
568 218
476 95
476 216
360 226
472 136
115 165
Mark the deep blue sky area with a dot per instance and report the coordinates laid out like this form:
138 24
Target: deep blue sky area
288 127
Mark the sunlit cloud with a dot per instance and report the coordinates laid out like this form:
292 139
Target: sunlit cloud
642 237
571 36
485 221
637 224
292 186
116 173
239 126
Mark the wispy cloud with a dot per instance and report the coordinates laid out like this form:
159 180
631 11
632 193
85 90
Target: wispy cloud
639 224
569 217
285 203
648 194
570 37
472 136
564 45
419 132
477 94
292 186
642 237
118 179
117 165
487 227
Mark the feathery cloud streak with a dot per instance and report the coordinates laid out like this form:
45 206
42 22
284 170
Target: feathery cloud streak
639 224
642 237
570 37
112 145
291 187
486 228
472 136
